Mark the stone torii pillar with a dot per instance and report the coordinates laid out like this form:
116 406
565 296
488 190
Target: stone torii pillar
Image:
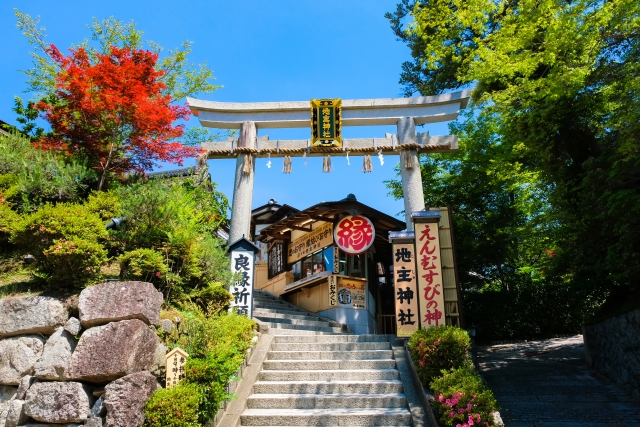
411 177
243 186
405 113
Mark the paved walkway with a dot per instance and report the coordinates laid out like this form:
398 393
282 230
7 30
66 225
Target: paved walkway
546 383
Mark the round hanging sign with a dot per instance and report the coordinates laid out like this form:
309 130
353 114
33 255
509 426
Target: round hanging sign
354 234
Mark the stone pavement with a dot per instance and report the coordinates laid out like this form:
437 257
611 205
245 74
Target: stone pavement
546 384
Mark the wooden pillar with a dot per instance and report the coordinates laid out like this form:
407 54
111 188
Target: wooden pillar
243 187
411 177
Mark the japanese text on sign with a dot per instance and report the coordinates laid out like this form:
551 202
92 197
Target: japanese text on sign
311 242
407 320
242 288
354 234
326 122
176 359
429 267
352 292
333 290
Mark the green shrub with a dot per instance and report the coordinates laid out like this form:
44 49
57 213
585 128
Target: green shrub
210 376
146 265
213 298
65 240
174 220
41 176
7 220
439 348
217 346
174 407
75 260
462 396
104 203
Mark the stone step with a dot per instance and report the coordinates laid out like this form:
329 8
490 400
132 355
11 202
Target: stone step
347 346
324 375
303 327
315 322
325 401
327 387
330 355
332 339
312 365
322 417
291 312
274 304
278 315
283 310
298 332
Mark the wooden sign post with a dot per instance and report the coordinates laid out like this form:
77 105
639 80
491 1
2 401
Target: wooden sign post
429 267
176 359
243 255
406 290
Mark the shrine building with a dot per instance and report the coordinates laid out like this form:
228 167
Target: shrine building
333 259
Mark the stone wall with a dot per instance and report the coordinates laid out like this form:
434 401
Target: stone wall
612 347
97 370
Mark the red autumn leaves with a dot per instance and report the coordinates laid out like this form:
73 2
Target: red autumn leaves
111 110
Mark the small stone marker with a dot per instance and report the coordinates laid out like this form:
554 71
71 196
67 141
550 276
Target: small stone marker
176 359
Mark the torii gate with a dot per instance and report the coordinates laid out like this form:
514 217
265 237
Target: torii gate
406 113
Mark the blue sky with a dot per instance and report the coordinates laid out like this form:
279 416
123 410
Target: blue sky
259 51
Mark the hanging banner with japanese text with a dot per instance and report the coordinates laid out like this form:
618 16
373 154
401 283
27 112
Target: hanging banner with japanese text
326 122
352 292
429 266
354 234
311 242
407 316
242 289
333 291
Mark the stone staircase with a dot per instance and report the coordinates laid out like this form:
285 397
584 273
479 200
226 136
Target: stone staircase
283 318
317 375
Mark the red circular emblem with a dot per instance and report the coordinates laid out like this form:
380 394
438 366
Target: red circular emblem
354 234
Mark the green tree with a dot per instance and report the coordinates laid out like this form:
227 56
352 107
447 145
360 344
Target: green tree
563 78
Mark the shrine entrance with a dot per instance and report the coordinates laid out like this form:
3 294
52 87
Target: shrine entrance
350 266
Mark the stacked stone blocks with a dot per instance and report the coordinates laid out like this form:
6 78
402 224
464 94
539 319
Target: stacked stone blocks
95 370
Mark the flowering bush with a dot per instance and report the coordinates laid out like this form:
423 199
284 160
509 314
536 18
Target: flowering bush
463 399
435 349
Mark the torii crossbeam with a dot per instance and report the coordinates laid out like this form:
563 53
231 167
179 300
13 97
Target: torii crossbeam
403 112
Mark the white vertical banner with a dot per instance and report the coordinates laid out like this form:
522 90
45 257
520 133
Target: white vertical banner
242 263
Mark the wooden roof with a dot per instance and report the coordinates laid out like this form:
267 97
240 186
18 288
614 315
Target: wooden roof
330 212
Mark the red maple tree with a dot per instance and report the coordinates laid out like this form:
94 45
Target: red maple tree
112 111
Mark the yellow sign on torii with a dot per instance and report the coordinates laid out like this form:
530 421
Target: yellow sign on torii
326 123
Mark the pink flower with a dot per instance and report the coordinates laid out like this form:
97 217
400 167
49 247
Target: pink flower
158 274
469 406
441 398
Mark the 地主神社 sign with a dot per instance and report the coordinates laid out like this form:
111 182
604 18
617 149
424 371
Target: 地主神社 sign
242 253
310 242
354 234
326 122
176 359
404 265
